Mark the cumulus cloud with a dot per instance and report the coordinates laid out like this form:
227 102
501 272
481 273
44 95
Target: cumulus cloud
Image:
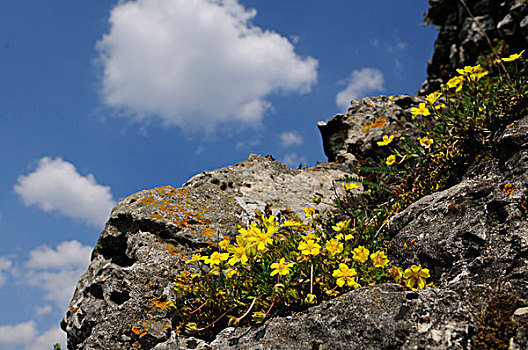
68 254
42 310
293 160
359 83
57 186
25 335
18 334
290 138
47 339
56 271
196 63
5 264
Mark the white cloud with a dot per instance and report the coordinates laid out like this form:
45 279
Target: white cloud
56 271
42 310
196 63
22 333
290 138
57 186
293 160
25 334
360 82
47 339
5 264
68 254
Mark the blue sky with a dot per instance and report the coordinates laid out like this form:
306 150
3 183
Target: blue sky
101 99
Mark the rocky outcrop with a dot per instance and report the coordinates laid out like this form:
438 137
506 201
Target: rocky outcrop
150 233
471 236
352 136
461 40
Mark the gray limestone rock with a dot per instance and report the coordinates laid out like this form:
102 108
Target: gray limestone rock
150 233
347 137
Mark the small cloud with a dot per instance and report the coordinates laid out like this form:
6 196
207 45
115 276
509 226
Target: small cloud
293 160
290 138
5 264
68 254
57 186
56 271
47 339
18 334
42 310
196 63
360 82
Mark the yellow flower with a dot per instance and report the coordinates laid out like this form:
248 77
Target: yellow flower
334 247
340 226
379 259
386 140
224 244
440 106
261 239
231 273
425 141
360 254
239 254
470 70
391 159
477 76
416 275
513 57
195 258
349 186
310 235
309 247
216 258
309 211
269 221
432 98
345 237
456 82
396 272
421 109
344 274
290 223
281 268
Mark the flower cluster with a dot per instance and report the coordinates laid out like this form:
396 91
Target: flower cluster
274 264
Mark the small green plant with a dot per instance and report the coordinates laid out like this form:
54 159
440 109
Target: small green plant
494 321
280 268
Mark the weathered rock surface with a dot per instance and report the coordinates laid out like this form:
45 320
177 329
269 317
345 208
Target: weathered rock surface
142 246
461 39
349 137
383 317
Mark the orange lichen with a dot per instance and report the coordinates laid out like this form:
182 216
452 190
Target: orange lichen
147 201
139 330
178 207
160 302
173 250
509 189
208 232
378 123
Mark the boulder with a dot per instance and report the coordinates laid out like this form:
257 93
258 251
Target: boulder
150 233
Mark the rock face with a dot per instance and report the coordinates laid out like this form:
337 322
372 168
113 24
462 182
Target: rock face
347 137
142 246
461 39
